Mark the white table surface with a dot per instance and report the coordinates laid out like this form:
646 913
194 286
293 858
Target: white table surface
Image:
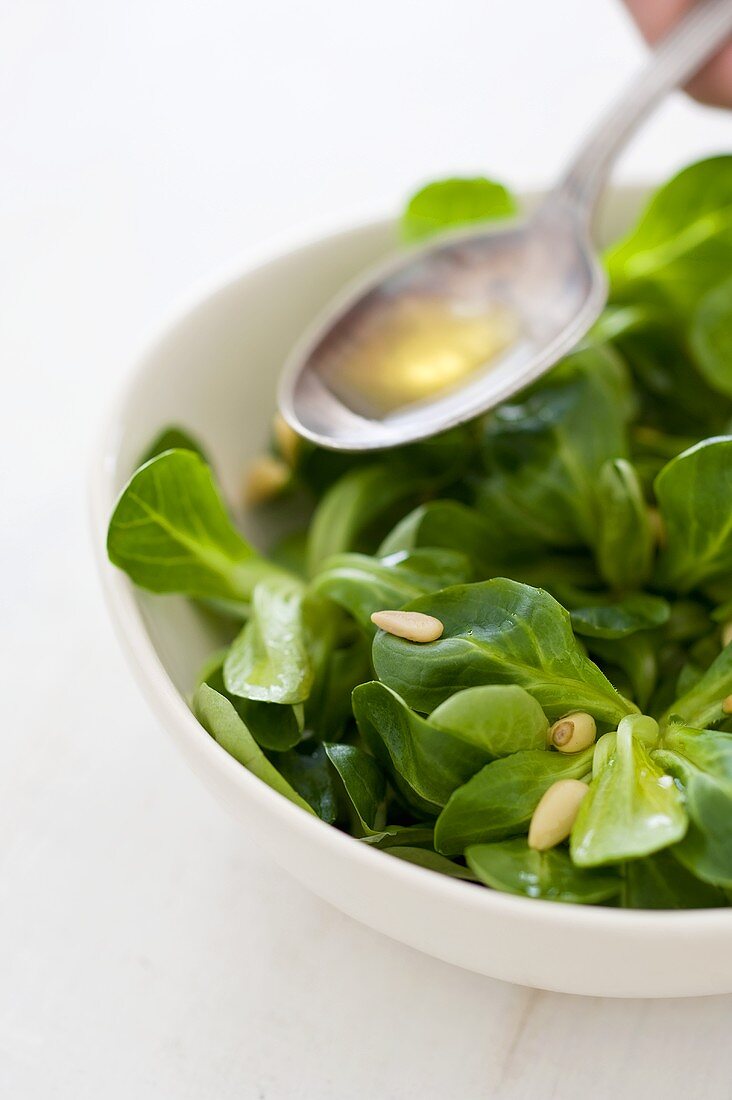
147 949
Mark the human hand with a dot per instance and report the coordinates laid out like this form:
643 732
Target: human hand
713 84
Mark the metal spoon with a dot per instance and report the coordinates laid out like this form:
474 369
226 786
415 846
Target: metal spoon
521 296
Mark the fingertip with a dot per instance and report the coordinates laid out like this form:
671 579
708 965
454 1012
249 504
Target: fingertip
713 85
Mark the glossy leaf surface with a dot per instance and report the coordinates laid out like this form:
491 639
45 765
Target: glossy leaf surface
514 868
497 632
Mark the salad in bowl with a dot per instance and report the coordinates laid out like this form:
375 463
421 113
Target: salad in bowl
503 654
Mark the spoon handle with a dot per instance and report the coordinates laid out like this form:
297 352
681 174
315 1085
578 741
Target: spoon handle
677 57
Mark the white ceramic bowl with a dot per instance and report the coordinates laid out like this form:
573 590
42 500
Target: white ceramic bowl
214 370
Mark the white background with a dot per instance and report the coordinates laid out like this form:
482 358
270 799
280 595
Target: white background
146 948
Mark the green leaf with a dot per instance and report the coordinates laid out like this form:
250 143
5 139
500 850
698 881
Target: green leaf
442 458
723 613
702 761
635 655
340 669
219 718
672 398
571 578
269 659
604 749
701 705
705 651
446 204
616 321
501 718
497 632
545 451
361 584
433 861
624 546
632 808
271 725
392 836
307 771
426 763
363 781
711 337
643 728
693 493
170 532
514 868
448 525
173 438
618 618
351 505
682 244
706 849
499 801
661 882
689 677
688 620
290 552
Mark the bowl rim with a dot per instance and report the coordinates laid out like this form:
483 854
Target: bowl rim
173 711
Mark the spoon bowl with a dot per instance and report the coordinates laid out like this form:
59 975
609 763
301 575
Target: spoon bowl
445 331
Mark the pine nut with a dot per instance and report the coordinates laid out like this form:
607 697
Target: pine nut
574 732
727 705
287 440
727 632
412 625
556 813
265 478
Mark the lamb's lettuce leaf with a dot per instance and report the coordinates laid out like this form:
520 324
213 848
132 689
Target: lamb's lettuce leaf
362 584
272 725
703 704
450 525
682 244
702 762
170 532
218 717
433 861
307 770
633 807
426 763
173 438
447 204
502 718
498 802
693 493
497 632
624 541
544 453
711 337
351 504
269 660
513 867
363 781
618 617
662 882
